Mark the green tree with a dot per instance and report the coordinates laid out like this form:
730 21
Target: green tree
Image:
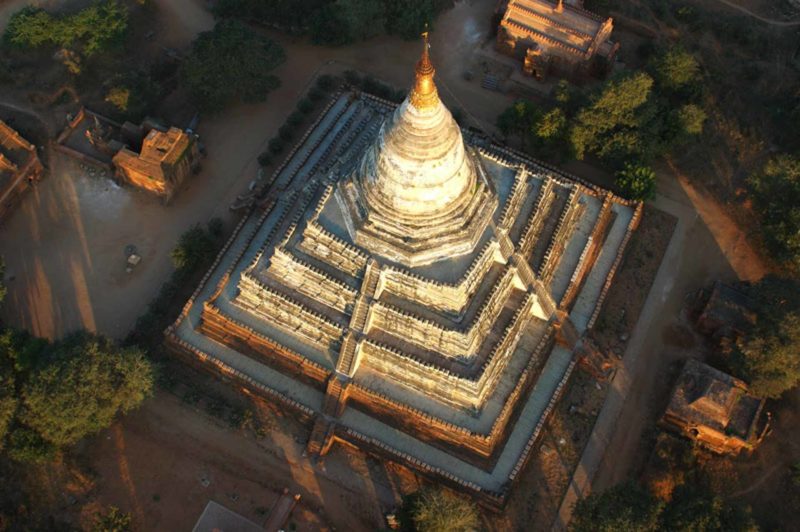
609 125
231 64
8 401
551 125
26 445
691 118
518 119
776 199
408 18
84 383
93 29
637 182
346 21
695 508
676 69
437 510
624 508
112 520
769 357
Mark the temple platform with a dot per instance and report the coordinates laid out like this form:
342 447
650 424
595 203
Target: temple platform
450 367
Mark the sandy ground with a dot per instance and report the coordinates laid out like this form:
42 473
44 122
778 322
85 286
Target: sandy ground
64 251
64 247
702 252
164 462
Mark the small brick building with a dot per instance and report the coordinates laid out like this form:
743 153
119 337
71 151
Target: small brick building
715 410
558 38
167 158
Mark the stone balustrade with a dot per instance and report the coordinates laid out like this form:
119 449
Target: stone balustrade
310 281
450 342
567 222
327 247
537 217
446 297
288 314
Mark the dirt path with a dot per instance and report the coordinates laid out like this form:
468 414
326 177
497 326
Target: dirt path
64 246
166 461
706 246
770 21
732 241
181 20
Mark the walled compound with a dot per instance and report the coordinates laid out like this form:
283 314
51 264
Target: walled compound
409 291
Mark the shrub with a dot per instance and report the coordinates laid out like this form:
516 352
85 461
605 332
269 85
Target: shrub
326 82
275 146
676 69
118 97
692 117
265 158
215 227
294 119
285 133
437 510
305 106
315 94
352 77
637 182
114 520
195 247
623 508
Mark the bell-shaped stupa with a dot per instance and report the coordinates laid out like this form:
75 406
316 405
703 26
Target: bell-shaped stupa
418 195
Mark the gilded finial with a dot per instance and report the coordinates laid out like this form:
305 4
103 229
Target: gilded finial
424 94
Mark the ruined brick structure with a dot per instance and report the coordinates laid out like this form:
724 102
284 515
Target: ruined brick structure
715 409
559 38
167 158
19 168
411 291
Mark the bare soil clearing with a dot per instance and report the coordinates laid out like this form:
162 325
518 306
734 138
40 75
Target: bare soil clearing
163 463
64 246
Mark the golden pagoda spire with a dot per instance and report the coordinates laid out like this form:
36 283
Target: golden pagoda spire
424 94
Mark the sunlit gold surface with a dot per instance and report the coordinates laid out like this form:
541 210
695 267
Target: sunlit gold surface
424 94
